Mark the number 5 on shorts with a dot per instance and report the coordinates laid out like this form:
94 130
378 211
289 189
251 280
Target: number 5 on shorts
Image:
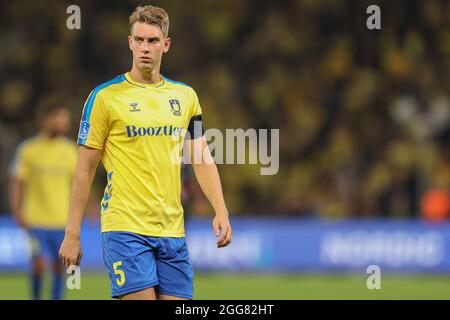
121 279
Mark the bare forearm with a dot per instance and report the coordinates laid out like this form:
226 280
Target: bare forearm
16 196
209 180
208 177
81 188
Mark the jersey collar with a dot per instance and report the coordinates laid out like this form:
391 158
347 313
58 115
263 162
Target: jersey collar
144 85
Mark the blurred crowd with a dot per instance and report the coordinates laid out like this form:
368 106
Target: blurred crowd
364 115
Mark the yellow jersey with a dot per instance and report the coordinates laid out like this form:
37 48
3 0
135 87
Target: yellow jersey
46 167
140 129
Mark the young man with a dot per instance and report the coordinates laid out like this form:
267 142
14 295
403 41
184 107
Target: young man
134 124
41 178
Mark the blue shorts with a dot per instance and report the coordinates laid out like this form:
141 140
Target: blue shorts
46 242
136 262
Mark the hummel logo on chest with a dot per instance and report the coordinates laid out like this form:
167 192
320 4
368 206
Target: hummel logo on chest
134 107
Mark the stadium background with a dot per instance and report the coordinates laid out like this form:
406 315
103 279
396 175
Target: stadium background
364 119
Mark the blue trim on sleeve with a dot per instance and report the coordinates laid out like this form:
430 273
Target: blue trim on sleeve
91 99
90 103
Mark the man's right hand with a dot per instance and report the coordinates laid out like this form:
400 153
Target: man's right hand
70 251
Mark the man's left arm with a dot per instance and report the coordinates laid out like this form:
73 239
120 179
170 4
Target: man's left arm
208 178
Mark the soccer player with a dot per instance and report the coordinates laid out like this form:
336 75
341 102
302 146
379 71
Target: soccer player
41 179
134 123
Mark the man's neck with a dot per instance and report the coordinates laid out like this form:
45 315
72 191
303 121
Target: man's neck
150 76
47 134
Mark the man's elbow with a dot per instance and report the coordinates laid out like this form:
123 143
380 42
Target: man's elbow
203 165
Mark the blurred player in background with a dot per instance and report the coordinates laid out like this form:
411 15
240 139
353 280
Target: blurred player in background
41 178
133 123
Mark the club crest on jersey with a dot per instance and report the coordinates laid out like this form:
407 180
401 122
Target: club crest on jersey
175 106
84 129
134 107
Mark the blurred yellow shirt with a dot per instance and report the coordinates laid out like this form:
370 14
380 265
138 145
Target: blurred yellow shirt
140 129
46 166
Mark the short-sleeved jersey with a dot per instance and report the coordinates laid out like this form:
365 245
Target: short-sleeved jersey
46 167
140 129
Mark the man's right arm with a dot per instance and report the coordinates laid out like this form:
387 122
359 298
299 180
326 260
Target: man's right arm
88 160
19 173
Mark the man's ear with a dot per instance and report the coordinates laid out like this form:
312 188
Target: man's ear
167 43
130 39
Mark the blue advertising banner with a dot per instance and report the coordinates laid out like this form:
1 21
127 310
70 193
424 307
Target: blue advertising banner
280 245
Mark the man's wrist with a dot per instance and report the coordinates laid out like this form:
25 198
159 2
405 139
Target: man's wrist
73 234
222 213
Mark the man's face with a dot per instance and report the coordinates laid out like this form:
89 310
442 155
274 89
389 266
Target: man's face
148 45
58 122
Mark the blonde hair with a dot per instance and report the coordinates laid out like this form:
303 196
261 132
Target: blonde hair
151 15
